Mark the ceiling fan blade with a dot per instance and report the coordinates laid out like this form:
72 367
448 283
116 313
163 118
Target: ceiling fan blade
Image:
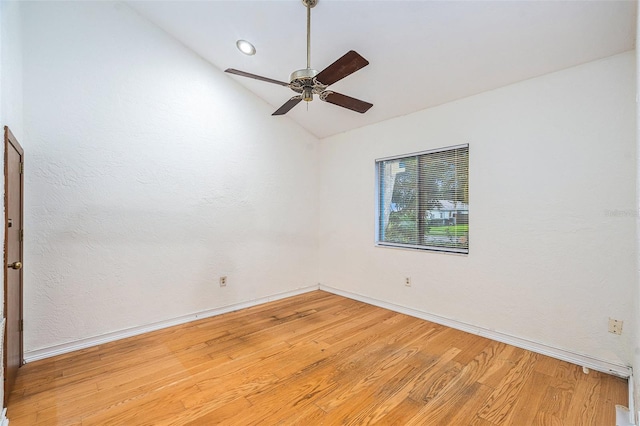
346 102
256 77
288 105
349 63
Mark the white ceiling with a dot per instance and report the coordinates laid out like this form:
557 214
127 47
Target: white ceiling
421 53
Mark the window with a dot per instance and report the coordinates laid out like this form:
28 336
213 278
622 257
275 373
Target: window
423 200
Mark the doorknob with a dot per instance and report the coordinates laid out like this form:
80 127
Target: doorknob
15 265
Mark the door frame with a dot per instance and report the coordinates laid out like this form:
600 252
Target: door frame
10 139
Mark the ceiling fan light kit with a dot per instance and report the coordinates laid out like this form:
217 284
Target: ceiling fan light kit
308 81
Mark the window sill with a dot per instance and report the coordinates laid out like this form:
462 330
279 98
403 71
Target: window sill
421 248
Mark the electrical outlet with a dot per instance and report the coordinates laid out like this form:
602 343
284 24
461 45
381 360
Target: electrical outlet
407 281
223 281
615 326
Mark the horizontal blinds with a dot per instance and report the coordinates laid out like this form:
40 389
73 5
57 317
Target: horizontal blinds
424 200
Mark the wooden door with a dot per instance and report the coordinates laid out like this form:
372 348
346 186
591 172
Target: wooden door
13 198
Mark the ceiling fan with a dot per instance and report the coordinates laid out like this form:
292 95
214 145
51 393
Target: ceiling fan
308 81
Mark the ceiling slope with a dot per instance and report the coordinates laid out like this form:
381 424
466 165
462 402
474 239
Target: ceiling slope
421 53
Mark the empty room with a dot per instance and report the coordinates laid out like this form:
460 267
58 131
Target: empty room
320 212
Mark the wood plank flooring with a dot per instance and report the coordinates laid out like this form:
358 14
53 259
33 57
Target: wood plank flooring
313 359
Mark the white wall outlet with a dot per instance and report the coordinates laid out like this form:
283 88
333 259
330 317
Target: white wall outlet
615 326
407 281
223 281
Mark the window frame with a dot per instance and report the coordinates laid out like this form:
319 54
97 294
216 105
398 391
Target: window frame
378 210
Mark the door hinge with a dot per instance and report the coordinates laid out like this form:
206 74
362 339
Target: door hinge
21 168
21 325
21 235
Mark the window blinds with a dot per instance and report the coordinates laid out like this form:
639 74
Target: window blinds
423 200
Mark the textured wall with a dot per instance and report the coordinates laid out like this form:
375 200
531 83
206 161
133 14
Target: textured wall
11 103
552 210
150 174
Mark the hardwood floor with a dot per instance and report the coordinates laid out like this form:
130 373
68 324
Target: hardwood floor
313 359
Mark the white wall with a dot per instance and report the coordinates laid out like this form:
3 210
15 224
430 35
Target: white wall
11 68
550 159
150 174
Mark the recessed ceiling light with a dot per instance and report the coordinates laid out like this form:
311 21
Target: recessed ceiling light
245 47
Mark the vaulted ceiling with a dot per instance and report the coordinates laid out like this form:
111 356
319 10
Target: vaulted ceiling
421 53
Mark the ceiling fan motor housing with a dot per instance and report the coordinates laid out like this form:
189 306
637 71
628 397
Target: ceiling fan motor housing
303 81
305 74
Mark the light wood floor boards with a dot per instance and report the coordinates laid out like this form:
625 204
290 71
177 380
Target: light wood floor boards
314 359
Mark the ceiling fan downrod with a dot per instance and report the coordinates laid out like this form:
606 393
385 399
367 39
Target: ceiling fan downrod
303 79
309 4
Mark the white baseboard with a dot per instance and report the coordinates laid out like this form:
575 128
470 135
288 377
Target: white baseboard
134 331
562 354
619 370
